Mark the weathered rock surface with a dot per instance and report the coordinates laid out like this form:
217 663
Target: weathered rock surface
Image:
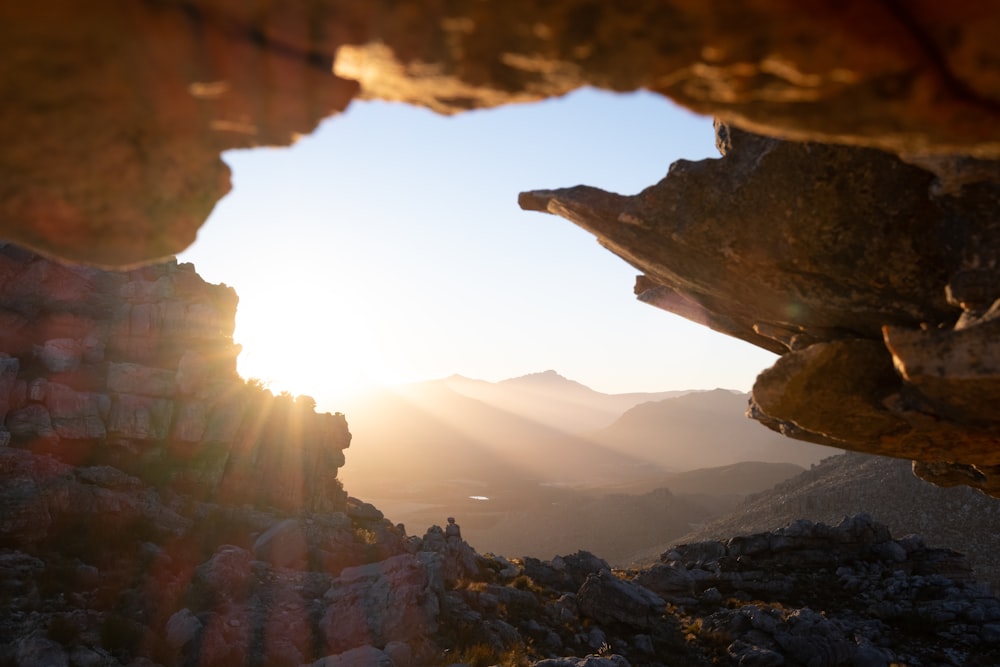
878 585
850 483
808 594
99 567
809 242
138 370
782 244
801 249
154 94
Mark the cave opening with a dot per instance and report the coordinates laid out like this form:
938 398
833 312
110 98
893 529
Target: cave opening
388 247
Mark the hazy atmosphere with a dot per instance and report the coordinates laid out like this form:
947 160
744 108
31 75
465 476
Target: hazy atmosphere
419 263
397 405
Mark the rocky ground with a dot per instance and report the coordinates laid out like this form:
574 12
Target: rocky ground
155 509
97 568
957 517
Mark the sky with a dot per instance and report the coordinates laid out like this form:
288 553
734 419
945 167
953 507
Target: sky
387 247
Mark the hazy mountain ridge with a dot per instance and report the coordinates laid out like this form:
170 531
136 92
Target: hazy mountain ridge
552 399
427 447
429 431
959 518
702 430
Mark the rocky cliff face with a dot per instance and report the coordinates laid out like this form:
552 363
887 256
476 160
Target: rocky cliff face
138 370
141 478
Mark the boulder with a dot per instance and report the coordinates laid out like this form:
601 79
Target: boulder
608 599
182 629
60 354
41 651
227 575
283 545
31 423
668 581
589 661
362 511
394 600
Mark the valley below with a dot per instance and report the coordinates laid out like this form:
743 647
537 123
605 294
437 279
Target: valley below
650 471
509 461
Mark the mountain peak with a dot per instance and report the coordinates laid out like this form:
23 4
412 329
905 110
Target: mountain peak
543 375
549 376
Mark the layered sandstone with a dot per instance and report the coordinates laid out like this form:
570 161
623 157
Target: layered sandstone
138 370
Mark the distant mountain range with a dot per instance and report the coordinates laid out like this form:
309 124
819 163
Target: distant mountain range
481 449
702 430
551 399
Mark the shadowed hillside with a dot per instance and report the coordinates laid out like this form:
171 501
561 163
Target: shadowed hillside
959 517
482 450
432 432
736 479
615 521
702 430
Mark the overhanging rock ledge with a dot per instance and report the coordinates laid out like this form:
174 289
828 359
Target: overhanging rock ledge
877 289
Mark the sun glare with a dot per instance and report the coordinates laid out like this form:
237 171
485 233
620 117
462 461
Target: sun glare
388 248
317 354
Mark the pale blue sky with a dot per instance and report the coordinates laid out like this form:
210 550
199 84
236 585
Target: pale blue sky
388 247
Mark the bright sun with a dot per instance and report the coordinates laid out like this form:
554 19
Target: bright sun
322 351
388 247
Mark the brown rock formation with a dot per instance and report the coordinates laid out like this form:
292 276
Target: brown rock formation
818 252
138 370
154 93
807 249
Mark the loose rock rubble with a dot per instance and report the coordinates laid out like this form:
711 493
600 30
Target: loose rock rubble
119 573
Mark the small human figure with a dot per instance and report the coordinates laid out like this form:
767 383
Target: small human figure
453 529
